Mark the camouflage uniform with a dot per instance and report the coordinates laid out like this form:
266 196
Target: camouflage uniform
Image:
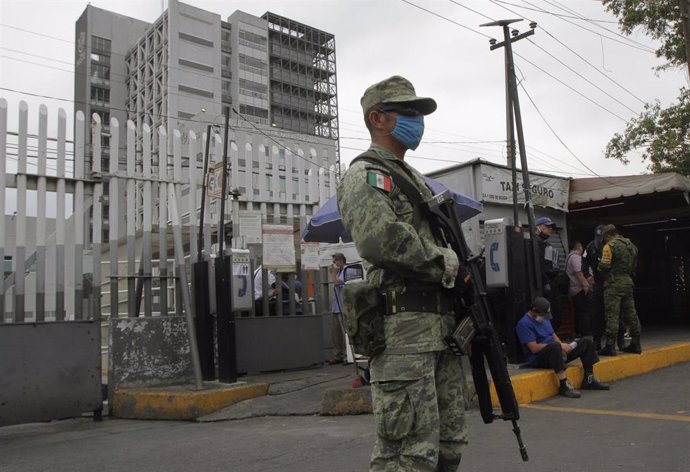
417 383
618 260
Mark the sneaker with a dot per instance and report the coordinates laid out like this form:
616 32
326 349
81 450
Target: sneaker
592 383
567 390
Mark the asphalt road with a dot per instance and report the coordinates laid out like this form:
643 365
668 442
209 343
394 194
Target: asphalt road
642 424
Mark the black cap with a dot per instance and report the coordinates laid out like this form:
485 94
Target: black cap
542 306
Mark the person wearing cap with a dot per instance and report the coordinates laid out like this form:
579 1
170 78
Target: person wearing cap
618 261
337 275
417 383
544 228
544 349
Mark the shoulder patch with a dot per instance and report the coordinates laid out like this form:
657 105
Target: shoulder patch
379 180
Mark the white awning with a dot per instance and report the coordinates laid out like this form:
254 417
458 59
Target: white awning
608 188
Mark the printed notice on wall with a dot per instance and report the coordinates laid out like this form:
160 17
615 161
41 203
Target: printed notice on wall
279 248
250 226
310 256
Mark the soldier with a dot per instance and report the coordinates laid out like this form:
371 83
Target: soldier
544 228
618 261
417 384
590 264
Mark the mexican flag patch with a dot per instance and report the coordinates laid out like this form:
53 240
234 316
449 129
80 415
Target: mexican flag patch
378 180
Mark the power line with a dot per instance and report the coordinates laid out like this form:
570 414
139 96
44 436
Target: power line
35 55
541 10
598 25
472 10
563 143
542 28
582 76
447 19
579 56
112 53
643 48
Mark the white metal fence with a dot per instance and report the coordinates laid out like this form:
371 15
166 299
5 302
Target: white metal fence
145 195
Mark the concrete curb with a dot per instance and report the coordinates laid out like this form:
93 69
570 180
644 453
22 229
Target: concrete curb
542 384
180 403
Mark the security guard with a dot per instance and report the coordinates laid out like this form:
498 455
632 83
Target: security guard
417 383
618 261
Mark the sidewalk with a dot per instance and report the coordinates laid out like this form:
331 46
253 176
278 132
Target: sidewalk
328 390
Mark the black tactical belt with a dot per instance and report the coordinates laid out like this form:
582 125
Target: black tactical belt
430 301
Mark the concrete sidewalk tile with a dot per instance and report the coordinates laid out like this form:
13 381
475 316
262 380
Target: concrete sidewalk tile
180 404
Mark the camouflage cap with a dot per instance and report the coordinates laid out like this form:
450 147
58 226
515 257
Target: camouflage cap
396 89
608 230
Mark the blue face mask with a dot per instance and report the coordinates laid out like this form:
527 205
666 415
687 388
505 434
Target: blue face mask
409 130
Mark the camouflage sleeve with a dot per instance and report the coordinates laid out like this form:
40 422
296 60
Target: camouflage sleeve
606 257
382 238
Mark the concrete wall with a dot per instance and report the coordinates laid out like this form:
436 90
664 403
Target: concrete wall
147 352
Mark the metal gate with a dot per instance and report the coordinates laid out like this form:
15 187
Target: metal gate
75 309
49 307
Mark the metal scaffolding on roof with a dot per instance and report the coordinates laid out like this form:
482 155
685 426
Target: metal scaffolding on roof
303 78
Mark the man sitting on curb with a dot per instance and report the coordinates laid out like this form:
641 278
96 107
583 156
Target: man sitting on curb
544 349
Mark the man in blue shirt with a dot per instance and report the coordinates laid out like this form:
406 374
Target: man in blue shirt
545 350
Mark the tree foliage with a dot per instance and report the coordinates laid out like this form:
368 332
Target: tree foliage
660 19
661 134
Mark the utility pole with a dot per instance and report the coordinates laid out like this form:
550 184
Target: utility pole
685 17
514 115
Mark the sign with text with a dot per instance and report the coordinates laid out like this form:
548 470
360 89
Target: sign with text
310 256
279 248
214 184
497 187
250 226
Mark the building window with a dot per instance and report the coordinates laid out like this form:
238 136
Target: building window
100 45
253 89
100 71
253 65
104 115
100 95
281 181
195 65
100 59
195 91
7 265
254 111
252 40
196 40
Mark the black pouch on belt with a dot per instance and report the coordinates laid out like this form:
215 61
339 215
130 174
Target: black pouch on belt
363 312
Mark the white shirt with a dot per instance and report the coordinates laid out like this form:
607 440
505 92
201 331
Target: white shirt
258 282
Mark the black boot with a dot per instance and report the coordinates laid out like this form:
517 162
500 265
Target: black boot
620 339
590 382
567 390
609 348
634 347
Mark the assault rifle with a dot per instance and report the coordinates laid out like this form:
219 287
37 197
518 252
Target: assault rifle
475 334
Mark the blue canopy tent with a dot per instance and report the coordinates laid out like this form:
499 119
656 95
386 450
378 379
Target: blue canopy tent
326 224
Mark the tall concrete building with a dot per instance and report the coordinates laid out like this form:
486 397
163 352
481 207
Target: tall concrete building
278 77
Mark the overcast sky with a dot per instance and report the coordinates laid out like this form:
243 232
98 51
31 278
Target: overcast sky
445 55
